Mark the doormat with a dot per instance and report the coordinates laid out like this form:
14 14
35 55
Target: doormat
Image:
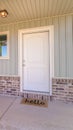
35 102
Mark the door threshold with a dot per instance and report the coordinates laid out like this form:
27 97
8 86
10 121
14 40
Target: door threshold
36 92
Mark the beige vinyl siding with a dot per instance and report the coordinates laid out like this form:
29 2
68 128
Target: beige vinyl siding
63 45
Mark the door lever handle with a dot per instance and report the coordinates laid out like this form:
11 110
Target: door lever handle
23 64
23 60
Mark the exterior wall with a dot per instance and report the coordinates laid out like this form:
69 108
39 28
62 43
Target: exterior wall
62 89
63 46
10 85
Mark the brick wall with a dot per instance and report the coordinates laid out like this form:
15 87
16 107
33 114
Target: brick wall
62 89
9 85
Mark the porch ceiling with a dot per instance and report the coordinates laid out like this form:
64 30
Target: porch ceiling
24 10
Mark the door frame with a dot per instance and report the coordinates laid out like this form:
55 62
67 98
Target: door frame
50 29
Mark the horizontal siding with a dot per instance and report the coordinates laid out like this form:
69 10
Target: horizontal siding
63 45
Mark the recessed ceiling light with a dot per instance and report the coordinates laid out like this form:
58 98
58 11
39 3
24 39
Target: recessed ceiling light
3 13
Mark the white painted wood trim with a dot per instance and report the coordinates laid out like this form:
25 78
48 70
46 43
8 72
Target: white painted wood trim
7 33
9 75
50 29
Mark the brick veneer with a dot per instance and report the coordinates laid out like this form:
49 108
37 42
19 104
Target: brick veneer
62 89
9 85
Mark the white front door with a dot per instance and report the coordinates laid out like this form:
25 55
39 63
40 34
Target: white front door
35 61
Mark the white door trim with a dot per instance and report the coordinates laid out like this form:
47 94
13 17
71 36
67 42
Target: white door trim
50 29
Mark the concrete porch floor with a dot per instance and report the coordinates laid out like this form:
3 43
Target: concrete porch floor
15 116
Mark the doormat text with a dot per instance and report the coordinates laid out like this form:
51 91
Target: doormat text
36 102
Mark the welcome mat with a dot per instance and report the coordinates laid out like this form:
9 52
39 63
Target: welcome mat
35 102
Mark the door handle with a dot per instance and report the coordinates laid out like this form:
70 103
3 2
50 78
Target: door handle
23 64
23 60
